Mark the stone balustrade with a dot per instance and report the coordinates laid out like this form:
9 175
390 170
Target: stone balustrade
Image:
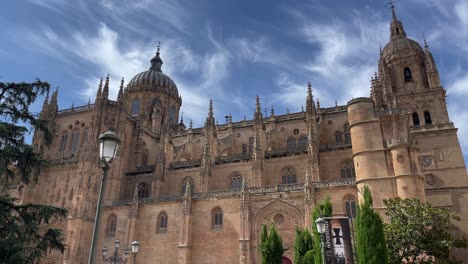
281 188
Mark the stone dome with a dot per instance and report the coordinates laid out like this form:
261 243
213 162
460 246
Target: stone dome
401 45
153 79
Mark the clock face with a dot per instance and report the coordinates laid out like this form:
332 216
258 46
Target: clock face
425 161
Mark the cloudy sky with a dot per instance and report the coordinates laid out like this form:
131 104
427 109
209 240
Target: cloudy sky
229 50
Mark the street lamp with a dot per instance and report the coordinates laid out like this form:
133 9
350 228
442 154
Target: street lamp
135 247
108 144
115 258
321 230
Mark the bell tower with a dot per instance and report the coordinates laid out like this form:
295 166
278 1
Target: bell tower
408 83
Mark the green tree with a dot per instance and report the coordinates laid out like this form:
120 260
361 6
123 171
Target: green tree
369 230
324 209
302 244
22 240
418 232
264 247
271 246
309 257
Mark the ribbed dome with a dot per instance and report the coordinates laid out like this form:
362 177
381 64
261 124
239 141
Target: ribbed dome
153 79
401 46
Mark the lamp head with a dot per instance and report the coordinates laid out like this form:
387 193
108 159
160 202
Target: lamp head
320 225
108 144
104 251
135 246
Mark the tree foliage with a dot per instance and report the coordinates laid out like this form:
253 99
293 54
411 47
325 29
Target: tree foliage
419 233
302 244
323 209
271 246
23 236
309 257
370 237
18 159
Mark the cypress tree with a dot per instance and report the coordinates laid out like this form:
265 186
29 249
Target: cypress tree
276 246
370 237
309 257
271 246
302 244
321 210
264 244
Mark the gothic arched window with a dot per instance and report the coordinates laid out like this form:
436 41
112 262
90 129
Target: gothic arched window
408 75
184 185
302 142
244 149
217 216
144 158
288 176
291 144
172 115
251 144
350 207
111 225
75 140
427 118
347 135
236 180
347 170
338 137
162 223
135 110
143 190
63 143
416 122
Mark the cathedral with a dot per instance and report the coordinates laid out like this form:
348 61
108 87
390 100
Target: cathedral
200 195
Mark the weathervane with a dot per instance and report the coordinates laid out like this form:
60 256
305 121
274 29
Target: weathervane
158 46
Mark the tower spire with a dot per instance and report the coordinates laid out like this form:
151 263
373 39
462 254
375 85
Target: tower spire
105 92
99 91
156 61
396 27
120 94
393 10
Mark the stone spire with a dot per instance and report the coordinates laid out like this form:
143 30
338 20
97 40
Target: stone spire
53 105
45 106
396 27
156 61
120 94
310 104
431 68
99 91
258 117
105 91
312 169
210 120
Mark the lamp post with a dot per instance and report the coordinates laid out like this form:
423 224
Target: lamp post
108 144
115 258
135 247
321 229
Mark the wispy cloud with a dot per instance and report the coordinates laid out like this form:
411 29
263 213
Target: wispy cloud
172 13
346 57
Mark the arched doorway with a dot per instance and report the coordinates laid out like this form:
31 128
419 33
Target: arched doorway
286 261
286 217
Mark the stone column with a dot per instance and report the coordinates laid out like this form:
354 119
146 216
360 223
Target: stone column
184 251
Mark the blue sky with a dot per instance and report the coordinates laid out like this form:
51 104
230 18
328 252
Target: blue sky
229 50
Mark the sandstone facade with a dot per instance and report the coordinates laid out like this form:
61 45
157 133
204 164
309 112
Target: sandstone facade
200 195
